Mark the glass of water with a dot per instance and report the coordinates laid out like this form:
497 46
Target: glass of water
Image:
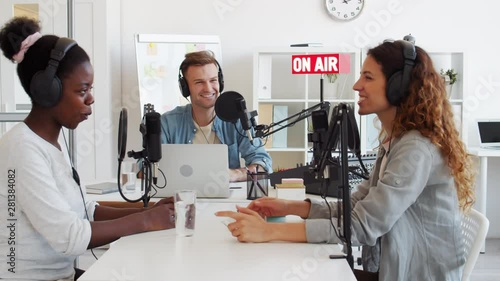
185 212
128 176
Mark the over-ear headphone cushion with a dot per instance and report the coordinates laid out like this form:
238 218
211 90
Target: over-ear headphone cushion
45 91
45 86
398 84
221 79
393 92
183 86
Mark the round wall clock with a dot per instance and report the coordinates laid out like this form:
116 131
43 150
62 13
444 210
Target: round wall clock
344 9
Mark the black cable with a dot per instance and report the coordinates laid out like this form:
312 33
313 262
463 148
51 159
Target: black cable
353 169
363 176
239 133
86 213
323 195
164 178
363 168
148 180
76 177
154 190
119 185
265 142
244 136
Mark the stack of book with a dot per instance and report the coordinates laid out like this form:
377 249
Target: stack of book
102 188
291 188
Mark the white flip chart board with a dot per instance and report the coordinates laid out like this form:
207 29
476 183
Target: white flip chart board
158 59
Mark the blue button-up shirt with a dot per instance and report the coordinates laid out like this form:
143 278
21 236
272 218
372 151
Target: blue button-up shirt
178 127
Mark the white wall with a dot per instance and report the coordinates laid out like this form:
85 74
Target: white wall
97 26
244 25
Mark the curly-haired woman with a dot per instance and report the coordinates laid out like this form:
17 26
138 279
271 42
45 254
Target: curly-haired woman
407 214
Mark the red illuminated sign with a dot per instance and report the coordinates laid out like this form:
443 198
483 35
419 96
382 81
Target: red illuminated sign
320 64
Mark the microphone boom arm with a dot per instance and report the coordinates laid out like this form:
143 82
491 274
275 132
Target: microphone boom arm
262 131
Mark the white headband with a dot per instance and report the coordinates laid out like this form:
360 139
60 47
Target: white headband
28 42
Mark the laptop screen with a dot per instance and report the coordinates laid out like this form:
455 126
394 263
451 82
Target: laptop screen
200 167
489 132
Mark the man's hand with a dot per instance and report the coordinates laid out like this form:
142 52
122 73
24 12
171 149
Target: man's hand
236 175
241 174
254 168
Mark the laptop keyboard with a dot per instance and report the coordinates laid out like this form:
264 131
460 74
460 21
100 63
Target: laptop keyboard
491 147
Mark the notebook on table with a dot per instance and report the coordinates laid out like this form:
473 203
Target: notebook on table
489 133
199 167
102 187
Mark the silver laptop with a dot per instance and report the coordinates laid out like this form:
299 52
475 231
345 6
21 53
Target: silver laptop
200 167
489 133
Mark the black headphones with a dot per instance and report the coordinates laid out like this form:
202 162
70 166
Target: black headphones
45 86
183 85
398 85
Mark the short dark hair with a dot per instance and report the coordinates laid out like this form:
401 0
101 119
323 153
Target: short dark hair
15 31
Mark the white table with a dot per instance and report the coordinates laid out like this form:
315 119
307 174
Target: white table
482 192
237 195
213 254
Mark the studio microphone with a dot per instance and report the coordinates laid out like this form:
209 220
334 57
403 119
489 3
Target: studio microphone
152 140
244 118
231 106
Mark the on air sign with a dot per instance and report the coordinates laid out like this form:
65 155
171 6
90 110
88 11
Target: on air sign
320 64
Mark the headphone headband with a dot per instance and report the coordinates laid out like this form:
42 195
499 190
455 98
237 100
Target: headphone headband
61 48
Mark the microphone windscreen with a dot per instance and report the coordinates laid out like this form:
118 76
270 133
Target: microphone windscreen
122 134
226 106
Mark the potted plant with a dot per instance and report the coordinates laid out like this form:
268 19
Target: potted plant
331 88
332 77
449 77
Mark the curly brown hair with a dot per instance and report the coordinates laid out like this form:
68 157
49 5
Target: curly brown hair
427 110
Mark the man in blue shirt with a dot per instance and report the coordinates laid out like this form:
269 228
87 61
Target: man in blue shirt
201 79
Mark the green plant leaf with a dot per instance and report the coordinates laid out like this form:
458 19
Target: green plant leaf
452 75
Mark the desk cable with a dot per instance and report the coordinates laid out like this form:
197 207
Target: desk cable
76 177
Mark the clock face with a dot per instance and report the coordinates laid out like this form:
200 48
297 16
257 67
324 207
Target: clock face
344 9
